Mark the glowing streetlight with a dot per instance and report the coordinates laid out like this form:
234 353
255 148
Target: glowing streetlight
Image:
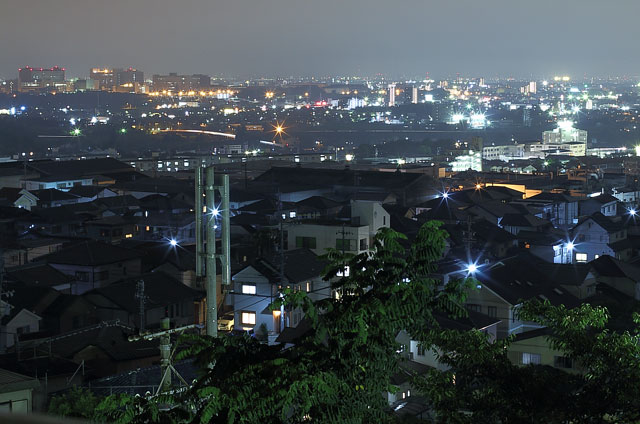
75 132
478 186
472 268
445 195
632 212
570 246
215 212
123 130
173 242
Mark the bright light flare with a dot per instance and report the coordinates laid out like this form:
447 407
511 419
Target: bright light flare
570 245
173 242
472 268
632 212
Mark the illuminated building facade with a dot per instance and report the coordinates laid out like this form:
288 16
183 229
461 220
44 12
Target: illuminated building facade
175 83
564 139
392 95
35 79
104 78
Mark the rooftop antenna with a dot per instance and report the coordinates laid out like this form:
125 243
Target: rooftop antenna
165 352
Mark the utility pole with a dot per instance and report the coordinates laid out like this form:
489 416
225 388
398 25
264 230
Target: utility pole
211 265
209 185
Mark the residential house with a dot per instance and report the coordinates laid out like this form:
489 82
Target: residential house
604 203
533 348
164 296
514 223
597 235
559 208
94 264
257 285
16 392
503 285
622 276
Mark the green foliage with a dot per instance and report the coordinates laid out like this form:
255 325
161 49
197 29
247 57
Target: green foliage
482 385
77 402
337 371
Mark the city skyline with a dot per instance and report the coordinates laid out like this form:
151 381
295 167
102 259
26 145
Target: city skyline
283 37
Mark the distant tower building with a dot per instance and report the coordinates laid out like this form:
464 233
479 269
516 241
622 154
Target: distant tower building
565 137
533 87
103 78
129 76
392 95
37 78
526 117
414 94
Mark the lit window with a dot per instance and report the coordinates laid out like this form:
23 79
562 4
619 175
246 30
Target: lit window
292 214
581 257
248 318
596 256
248 289
531 358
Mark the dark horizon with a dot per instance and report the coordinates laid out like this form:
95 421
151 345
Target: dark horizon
291 38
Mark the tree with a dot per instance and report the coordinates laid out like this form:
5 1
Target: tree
77 402
482 385
338 370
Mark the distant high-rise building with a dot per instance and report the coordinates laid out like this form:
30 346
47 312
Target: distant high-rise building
129 76
176 83
40 78
563 140
414 94
103 77
392 95
533 87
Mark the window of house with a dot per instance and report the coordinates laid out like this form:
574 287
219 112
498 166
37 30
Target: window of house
562 362
248 289
581 257
309 286
531 358
345 244
248 318
82 276
292 214
596 256
364 244
305 242
23 330
492 311
473 307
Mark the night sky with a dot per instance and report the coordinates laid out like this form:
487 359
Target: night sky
321 37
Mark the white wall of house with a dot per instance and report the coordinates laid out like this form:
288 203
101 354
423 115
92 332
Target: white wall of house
320 237
592 240
23 323
17 401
